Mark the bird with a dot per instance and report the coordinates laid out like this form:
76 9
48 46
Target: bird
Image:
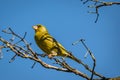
49 45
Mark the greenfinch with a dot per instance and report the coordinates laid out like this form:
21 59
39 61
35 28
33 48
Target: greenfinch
49 45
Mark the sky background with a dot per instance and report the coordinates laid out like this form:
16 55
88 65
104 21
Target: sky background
67 21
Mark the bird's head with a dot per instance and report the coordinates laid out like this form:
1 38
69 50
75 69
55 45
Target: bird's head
40 28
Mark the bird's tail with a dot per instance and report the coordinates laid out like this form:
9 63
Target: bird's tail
74 58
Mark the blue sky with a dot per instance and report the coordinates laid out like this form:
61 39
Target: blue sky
67 21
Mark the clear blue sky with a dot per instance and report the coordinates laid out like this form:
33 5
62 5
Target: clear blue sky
67 21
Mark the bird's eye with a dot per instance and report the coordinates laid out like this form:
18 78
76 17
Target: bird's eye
39 26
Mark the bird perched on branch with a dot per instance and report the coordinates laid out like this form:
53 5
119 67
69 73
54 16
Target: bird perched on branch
49 45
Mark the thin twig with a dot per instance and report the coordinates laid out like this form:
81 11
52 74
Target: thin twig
92 56
13 58
21 38
33 65
1 54
97 4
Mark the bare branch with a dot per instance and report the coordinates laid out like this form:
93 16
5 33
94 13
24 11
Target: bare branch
27 52
23 55
92 56
13 58
97 4
1 54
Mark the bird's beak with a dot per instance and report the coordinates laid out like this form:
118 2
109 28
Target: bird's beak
35 27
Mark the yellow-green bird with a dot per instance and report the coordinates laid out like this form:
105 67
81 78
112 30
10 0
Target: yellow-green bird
49 45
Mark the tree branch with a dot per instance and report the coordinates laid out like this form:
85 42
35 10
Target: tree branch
97 4
25 51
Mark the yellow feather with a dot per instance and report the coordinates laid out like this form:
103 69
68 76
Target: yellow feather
49 45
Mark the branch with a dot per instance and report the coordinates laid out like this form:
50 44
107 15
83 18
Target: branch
25 51
92 56
97 4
